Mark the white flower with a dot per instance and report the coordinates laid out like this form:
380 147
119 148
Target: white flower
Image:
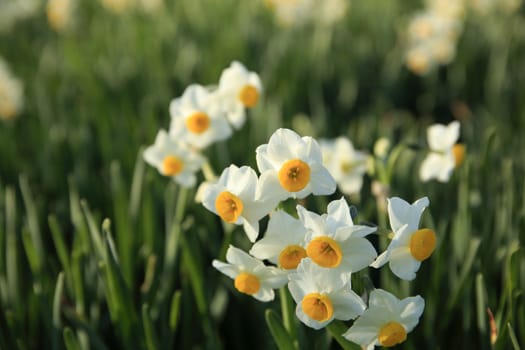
173 159
444 153
59 13
250 275
333 241
238 89
11 93
344 163
197 118
292 166
283 244
322 295
409 245
233 199
387 320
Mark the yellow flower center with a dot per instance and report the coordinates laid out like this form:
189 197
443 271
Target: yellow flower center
198 122
172 165
294 175
391 334
291 256
325 252
7 109
422 244
458 150
249 96
228 206
247 283
317 306
418 62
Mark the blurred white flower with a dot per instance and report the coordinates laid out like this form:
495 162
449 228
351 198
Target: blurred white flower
238 89
333 241
345 164
284 241
322 295
59 14
11 93
387 320
444 155
12 11
250 275
292 166
410 245
432 35
297 12
233 199
174 159
196 118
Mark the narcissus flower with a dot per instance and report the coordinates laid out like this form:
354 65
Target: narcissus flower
387 320
250 275
197 118
292 166
445 154
11 93
283 242
59 13
410 245
346 164
323 295
333 241
233 199
173 159
238 89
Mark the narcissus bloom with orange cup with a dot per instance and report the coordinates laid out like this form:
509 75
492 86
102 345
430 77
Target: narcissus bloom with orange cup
322 295
250 275
284 241
233 199
197 118
238 90
333 241
173 159
292 166
445 153
410 245
387 320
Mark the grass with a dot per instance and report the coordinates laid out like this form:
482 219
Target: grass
97 250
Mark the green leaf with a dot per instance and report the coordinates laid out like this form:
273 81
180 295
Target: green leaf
70 340
175 310
149 329
281 337
513 338
336 329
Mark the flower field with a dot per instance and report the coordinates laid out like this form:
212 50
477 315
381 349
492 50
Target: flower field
265 174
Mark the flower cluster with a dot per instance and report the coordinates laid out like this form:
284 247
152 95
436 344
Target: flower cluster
315 255
433 34
11 93
200 117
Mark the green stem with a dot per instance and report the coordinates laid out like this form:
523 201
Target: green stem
287 312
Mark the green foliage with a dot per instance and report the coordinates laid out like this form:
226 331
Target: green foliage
98 251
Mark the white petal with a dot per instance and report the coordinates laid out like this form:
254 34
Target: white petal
229 270
251 229
411 310
269 189
403 264
432 166
321 181
358 253
283 145
442 137
339 212
347 305
264 294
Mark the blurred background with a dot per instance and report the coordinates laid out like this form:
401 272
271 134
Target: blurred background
85 85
